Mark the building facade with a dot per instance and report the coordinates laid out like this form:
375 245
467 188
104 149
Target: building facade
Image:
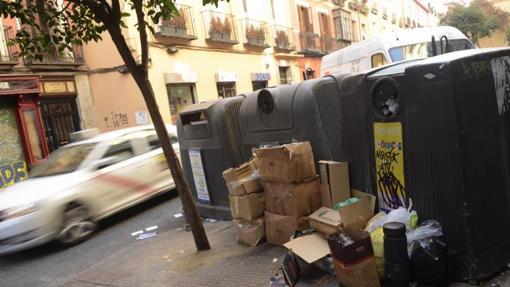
41 103
498 37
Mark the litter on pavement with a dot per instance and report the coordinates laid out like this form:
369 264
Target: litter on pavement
146 235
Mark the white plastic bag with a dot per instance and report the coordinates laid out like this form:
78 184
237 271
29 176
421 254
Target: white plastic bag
427 229
404 216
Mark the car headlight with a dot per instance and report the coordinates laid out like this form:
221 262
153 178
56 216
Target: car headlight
17 211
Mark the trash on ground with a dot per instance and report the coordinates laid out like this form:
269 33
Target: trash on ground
146 235
151 228
275 259
210 220
137 232
178 215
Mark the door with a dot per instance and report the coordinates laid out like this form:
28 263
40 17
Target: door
60 119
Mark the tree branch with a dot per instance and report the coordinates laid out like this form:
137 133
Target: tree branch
138 5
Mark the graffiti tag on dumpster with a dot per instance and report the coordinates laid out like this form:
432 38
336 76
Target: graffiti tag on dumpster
389 165
500 66
12 173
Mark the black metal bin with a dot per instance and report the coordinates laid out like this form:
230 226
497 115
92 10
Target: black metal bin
209 140
439 135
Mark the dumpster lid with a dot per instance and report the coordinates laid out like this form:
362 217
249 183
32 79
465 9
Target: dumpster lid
197 107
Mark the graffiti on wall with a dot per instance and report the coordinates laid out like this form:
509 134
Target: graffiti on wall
500 66
389 165
115 120
12 161
12 173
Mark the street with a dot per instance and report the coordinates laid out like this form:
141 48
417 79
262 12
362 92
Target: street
51 265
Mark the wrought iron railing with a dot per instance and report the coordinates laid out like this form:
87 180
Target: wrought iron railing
181 26
256 33
329 44
53 56
310 42
8 52
220 27
284 38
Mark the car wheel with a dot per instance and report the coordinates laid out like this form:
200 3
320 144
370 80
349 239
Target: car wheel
77 225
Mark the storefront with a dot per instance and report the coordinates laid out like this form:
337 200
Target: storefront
260 80
226 84
23 142
181 91
59 110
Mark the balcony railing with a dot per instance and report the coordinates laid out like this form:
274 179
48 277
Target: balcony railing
310 42
329 44
284 38
220 27
8 53
256 33
71 57
179 27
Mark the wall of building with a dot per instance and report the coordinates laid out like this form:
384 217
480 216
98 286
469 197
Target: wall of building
498 37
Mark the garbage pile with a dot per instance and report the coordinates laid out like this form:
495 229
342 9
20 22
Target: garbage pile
278 196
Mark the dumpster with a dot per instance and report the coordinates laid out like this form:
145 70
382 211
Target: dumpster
209 140
307 111
438 131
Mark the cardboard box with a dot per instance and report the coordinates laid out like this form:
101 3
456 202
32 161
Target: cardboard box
354 263
286 163
293 199
309 247
359 213
249 206
326 221
251 232
280 228
335 186
242 180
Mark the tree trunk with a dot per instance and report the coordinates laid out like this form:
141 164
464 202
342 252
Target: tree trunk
142 80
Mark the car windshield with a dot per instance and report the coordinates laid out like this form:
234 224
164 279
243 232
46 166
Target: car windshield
424 50
63 160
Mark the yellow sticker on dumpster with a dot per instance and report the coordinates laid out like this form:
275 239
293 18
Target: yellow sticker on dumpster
389 165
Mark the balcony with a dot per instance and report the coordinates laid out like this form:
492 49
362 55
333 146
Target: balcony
180 27
310 43
220 28
284 38
53 56
329 44
354 6
8 53
256 34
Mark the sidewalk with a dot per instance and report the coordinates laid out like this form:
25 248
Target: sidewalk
170 259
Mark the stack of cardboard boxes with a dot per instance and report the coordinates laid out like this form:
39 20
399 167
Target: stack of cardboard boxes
247 202
292 189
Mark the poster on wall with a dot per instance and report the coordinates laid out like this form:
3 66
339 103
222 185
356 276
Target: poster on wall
142 118
197 170
389 165
13 167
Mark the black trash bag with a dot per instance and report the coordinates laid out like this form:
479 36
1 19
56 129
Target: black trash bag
429 261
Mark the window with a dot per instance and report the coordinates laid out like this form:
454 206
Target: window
305 21
226 89
324 25
284 75
378 60
423 50
179 96
343 26
63 160
120 151
257 85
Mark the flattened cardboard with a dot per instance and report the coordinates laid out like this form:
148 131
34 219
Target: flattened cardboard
325 220
249 207
293 199
243 179
287 163
251 232
279 228
309 247
359 213
335 186
362 274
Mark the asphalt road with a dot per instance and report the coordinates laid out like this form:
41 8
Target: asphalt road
49 264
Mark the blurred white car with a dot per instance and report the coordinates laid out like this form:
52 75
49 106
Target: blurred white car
81 183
